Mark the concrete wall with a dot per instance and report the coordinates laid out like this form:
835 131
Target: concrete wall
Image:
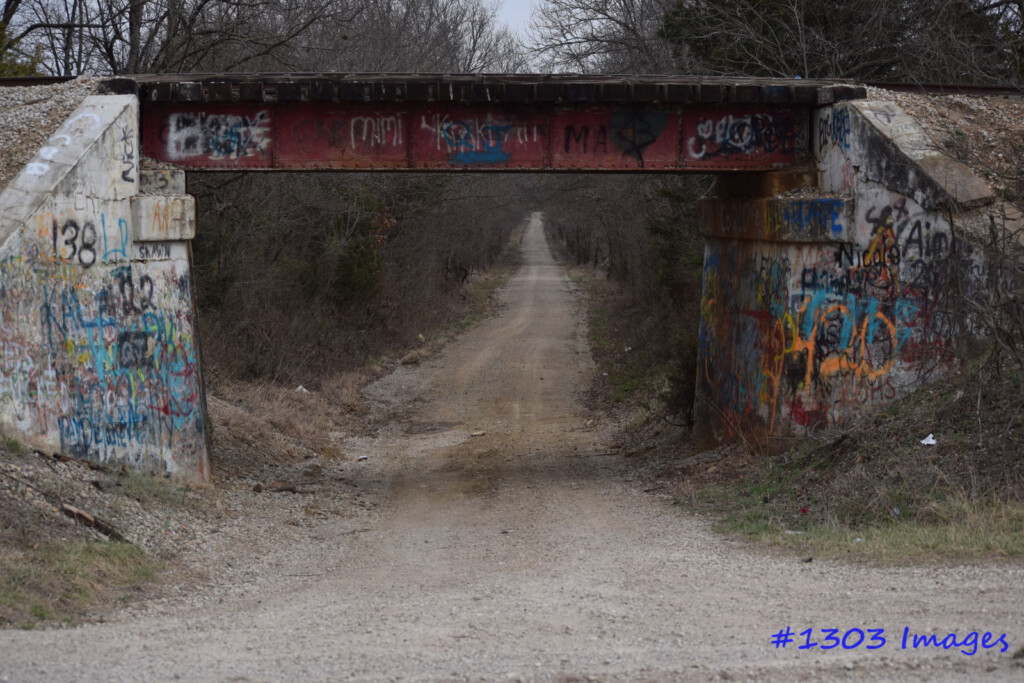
98 354
841 294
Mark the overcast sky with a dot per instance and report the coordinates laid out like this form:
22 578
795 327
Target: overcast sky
516 13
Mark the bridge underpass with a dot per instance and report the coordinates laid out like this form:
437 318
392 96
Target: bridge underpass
443 123
829 210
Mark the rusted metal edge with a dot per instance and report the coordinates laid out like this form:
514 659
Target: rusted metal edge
476 89
560 170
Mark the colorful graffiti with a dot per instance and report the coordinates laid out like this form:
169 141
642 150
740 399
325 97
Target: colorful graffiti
99 350
776 219
755 135
411 135
797 336
217 135
476 140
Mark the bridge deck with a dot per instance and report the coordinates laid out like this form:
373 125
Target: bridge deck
477 122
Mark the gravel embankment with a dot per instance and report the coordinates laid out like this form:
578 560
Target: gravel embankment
982 132
33 488
28 116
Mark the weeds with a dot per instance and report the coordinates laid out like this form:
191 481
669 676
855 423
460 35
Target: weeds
58 583
479 295
877 493
950 527
147 489
299 278
13 445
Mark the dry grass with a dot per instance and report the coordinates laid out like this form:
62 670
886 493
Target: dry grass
54 570
259 423
877 493
61 583
303 277
260 408
959 530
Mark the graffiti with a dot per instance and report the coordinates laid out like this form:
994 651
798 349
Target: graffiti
217 136
764 218
145 251
101 358
849 256
127 144
868 391
885 112
920 238
834 128
119 249
134 298
810 333
80 124
476 141
134 349
446 135
97 353
83 241
380 130
751 135
631 133
71 241
818 216
634 131
577 138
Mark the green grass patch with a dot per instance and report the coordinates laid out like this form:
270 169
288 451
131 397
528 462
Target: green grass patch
60 583
13 445
480 296
482 289
627 379
626 373
961 531
831 503
147 489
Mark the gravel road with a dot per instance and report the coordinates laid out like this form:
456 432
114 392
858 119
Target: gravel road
503 540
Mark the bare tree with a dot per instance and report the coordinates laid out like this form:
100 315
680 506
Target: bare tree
902 40
138 36
415 35
602 36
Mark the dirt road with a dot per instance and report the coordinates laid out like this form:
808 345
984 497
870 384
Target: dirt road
504 541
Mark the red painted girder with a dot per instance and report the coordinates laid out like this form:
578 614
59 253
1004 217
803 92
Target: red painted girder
392 136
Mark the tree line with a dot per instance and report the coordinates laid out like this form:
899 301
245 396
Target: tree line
955 41
916 41
373 259
72 37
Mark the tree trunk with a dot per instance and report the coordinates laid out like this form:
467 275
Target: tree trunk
134 35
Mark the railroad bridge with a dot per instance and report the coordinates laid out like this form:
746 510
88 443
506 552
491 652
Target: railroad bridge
431 123
830 209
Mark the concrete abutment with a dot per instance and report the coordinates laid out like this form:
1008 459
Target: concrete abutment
98 346
829 296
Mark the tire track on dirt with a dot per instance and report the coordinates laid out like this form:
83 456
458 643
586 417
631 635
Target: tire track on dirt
525 553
